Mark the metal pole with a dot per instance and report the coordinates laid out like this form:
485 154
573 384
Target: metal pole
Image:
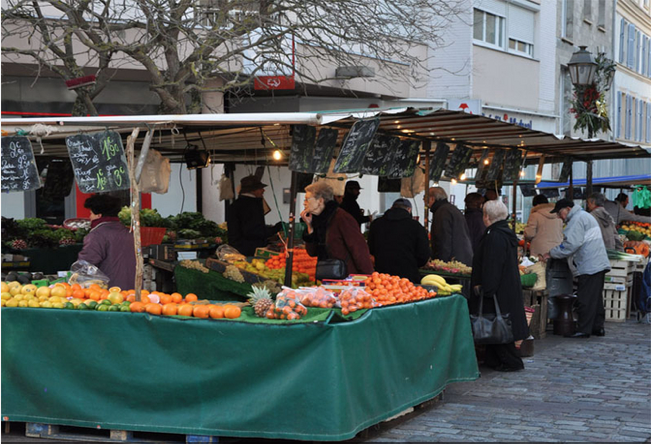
570 190
428 146
290 241
588 180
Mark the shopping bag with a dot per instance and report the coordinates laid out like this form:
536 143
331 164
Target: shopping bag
331 269
491 328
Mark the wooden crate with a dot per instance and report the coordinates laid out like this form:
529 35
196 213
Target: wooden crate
616 305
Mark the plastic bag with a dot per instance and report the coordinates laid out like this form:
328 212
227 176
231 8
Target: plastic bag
287 306
316 297
355 299
540 269
86 274
226 188
156 173
229 254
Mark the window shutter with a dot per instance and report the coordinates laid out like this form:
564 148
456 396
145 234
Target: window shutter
618 127
628 117
622 28
521 24
630 48
648 122
638 38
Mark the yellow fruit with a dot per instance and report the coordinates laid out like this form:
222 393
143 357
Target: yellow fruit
19 297
46 304
5 295
22 303
12 303
58 305
15 289
3 303
43 291
33 303
54 299
13 284
115 297
4 287
58 291
76 301
29 288
42 298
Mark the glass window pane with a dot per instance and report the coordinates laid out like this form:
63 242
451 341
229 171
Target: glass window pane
490 28
478 26
521 46
512 43
500 26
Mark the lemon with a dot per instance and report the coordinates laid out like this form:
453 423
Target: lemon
116 298
4 287
29 288
15 289
33 303
19 297
58 305
22 303
6 295
54 299
46 304
43 291
13 284
42 298
12 303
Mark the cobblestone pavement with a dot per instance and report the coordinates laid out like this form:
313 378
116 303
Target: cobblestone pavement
581 390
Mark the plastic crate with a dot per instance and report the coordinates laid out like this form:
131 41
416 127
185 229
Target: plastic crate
616 305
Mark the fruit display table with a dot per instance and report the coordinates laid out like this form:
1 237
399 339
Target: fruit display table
453 278
323 380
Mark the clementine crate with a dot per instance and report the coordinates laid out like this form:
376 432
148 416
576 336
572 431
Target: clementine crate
151 235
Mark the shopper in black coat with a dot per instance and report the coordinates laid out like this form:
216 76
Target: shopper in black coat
495 271
398 242
474 218
349 203
449 232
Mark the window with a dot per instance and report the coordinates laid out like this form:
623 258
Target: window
639 121
638 43
644 62
628 117
601 18
523 47
568 19
630 47
587 10
622 46
488 28
618 126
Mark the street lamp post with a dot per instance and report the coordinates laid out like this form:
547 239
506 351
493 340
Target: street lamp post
582 67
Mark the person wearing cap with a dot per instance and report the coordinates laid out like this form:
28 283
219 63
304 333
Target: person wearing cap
349 202
595 205
582 242
246 227
619 213
398 242
449 232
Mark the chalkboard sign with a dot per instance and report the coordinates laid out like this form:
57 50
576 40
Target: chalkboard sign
512 165
404 159
550 193
438 161
386 185
98 162
577 193
301 153
379 156
59 179
495 168
355 145
19 171
303 180
324 150
459 161
566 170
482 166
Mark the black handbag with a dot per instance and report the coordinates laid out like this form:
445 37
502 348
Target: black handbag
491 328
331 269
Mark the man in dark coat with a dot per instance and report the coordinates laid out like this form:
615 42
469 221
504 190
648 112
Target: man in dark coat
246 228
349 202
449 232
495 272
398 242
474 218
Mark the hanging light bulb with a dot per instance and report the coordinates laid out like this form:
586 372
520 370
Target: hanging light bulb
454 181
522 173
277 155
463 176
418 160
486 161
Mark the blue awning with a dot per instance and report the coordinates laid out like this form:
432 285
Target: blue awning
612 182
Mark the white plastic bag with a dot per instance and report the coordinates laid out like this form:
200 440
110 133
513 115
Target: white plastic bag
156 173
85 274
414 185
226 188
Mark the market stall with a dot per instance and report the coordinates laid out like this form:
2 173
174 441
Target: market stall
323 380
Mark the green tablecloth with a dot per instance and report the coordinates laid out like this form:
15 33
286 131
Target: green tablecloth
319 381
211 285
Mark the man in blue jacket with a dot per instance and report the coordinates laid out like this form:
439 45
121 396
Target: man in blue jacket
583 241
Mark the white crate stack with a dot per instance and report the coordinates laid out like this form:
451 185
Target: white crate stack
618 287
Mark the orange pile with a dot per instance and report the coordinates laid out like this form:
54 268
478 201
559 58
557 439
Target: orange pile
287 307
302 262
355 299
318 297
387 289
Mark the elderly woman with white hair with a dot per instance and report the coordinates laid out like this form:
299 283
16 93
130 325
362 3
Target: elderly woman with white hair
332 233
495 272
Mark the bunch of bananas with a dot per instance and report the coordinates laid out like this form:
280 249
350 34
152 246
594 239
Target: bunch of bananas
444 289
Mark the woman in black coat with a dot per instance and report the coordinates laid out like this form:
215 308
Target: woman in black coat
495 269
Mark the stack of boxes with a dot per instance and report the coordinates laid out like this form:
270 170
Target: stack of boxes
618 288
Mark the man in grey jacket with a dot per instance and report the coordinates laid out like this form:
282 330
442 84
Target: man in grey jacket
595 205
619 213
582 240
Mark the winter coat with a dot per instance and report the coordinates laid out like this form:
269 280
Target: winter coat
476 228
349 203
619 213
608 230
399 244
109 246
495 268
336 235
582 239
449 233
246 228
544 229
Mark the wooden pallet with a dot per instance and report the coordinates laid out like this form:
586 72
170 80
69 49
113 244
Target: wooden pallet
52 431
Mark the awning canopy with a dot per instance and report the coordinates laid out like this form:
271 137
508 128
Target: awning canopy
608 182
251 137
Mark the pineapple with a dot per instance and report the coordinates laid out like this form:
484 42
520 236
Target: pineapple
260 300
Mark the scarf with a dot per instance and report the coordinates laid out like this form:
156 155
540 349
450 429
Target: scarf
321 221
98 221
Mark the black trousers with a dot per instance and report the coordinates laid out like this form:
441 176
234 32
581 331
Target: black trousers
503 355
590 302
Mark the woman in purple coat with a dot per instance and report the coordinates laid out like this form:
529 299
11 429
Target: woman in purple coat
109 245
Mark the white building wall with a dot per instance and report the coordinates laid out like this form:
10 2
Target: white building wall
13 205
181 195
546 53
